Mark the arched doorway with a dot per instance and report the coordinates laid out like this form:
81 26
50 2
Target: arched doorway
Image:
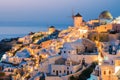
56 72
67 72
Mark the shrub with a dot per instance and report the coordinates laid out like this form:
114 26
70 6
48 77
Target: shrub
2 74
73 78
87 72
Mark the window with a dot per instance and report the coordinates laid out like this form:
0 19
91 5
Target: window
104 72
60 71
67 67
53 70
64 51
83 36
56 72
64 71
68 51
109 72
105 27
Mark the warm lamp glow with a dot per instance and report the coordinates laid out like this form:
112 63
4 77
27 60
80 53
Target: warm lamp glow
44 56
100 60
83 31
117 69
100 63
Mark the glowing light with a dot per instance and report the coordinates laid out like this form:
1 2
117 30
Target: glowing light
44 55
106 58
31 69
83 31
100 60
4 56
10 54
100 63
117 69
118 51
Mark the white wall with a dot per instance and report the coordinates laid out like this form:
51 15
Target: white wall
44 67
63 68
53 59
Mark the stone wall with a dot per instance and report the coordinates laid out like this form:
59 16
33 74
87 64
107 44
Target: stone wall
88 58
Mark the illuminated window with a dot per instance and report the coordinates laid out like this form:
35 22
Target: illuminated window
105 27
104 72
109 72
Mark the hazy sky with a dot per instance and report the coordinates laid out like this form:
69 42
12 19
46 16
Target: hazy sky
52 12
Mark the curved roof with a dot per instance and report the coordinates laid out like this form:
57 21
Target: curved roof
105 15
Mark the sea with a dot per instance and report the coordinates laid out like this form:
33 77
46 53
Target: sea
7 32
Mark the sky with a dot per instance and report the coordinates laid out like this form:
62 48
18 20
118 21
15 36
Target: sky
52 12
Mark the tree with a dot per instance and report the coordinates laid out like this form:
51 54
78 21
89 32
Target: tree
2 74
87 72
82 77
73 78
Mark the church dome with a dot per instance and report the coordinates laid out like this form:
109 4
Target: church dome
105 15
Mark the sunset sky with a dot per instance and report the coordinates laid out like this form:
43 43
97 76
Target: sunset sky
52 12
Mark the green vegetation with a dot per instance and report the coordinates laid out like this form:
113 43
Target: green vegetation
86 73
2 74
73 78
